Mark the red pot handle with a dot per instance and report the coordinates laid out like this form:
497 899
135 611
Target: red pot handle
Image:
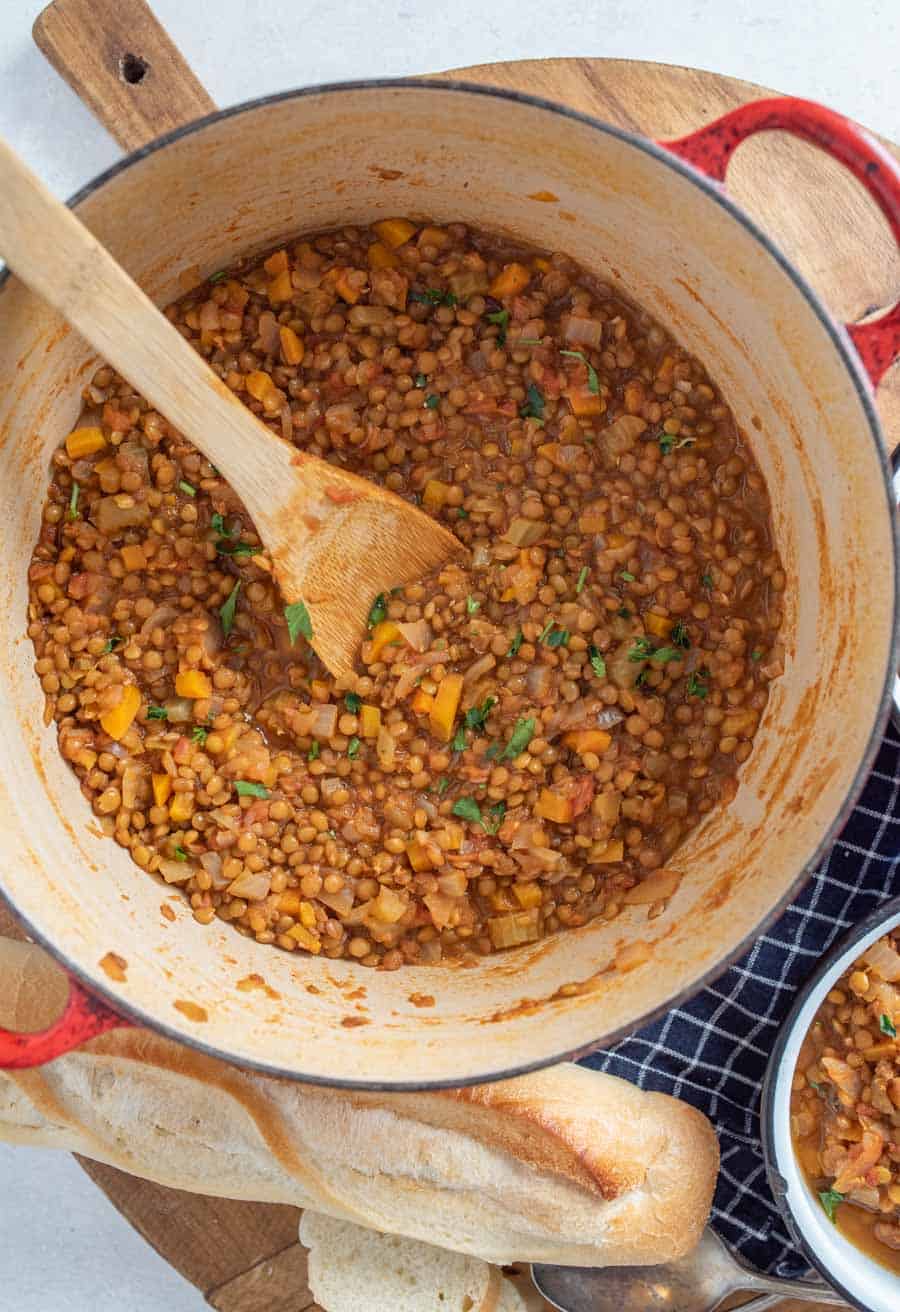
711 147
84 1017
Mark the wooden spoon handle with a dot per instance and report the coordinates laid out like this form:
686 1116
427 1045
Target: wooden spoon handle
119 59
49 249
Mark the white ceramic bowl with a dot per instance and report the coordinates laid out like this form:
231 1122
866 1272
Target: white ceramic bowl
861 1280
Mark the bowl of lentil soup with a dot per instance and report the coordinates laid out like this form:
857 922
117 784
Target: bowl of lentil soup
831 1114
642 545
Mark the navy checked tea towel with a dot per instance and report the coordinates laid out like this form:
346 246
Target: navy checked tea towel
712 1051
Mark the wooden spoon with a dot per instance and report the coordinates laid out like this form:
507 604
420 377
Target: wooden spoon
336 540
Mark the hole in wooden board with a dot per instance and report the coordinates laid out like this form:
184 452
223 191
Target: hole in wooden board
132 68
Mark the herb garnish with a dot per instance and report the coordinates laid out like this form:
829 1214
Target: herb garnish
432 296
420 380
680 636
217 277
236 549
226 610
623 613
476 716
666 654
756 654
497 811
887 1026
111 643
459 739
313 753
432 401
187 488
593 380
353 702
73 501
830 1198
544 632
199 735
582 579
443 785
516 644
472 605
501 318
378 611
157 713
558 639
521 736
598 664
668 442
180 854
353 747
467 809
244 788
298 621
534 404
626 576
641 649
696 685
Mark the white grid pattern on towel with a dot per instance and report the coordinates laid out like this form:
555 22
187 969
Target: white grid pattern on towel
712 1051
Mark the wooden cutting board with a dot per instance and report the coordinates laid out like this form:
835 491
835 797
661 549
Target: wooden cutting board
244 1257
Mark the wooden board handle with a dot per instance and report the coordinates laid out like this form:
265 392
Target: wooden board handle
122 63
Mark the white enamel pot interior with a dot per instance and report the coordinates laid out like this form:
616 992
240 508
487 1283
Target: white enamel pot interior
244 180
859 1278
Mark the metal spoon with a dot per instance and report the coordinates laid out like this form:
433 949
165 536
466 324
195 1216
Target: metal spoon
698 1282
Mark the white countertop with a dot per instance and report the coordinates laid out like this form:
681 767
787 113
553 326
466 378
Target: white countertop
63 1248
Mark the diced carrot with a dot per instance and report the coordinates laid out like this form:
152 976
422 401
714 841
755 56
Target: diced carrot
453 836
193 683
394 232
528 895
550 806
118 721
86 758
84 442
605 853
292 348
349 285
541 264
290 902
446 704
382 635
606 807
306 938
592 520
588 740
422 702
434 494
134 556
659 625
280 288
369 721
503 899
512 279
307 915
585 402
277 263
259 384
418 856
162 786
380 257
433 237
181 808
320 690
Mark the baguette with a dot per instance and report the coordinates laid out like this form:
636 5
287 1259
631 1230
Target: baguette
565 1165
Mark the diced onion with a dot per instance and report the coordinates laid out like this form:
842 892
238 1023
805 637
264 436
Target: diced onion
253 885
883 960
657 887
175 872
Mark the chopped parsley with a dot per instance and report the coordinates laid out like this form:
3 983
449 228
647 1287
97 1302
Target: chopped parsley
707 580
696 684
497 812
756 654
199 735
830 1199
680 636
244 788
623 613
459 739
420 380
887 1026
353 748
476 716
558 639
501 318
217 277
472 605
227 609
666 654
516 644
226 548
353 702
432 296
111 643
641 649
467 809
313 753
187 488
378 611
582 579
298 621
521 736
493 751
598 664
157 713
443 785
432 401
626 577
73 501
217 524
641 679
534 404
462 513
180 854
593 380
668 442
546 630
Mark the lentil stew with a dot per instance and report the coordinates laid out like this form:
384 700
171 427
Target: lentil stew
530 737
845 1103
